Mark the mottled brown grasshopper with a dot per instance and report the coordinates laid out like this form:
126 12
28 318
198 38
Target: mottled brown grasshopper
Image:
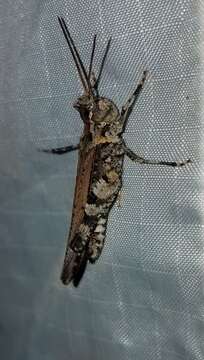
99 174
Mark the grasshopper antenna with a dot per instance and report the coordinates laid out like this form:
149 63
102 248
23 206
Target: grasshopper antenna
102 64
76 57
92 57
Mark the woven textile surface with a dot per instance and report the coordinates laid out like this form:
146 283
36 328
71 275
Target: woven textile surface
144 298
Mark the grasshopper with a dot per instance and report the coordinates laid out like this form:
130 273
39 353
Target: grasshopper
100 164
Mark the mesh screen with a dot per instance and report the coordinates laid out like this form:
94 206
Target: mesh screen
144 297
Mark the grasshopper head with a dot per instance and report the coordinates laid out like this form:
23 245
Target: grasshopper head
88 102
84 102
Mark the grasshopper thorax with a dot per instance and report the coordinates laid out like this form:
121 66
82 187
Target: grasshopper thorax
101 113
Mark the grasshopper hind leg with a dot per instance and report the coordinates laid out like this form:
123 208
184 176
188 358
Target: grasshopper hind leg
81 267
76 257
74 267
68 267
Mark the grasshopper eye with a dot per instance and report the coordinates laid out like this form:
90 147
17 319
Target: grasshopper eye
103 124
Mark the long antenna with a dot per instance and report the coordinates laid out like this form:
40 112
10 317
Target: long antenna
92 57
76 57
102 64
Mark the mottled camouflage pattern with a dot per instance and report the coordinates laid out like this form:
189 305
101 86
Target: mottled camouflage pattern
100 163
103 133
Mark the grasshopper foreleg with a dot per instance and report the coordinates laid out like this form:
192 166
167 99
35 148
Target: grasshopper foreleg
61 150
129 105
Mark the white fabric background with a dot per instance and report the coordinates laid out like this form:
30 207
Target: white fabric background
144 298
